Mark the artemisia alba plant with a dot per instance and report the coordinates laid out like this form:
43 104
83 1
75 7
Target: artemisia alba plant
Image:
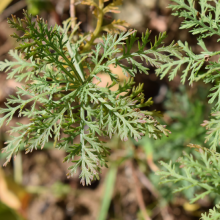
58 66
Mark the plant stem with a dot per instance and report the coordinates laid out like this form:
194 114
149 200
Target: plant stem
98 26
109 186
72 12
82 141
18 168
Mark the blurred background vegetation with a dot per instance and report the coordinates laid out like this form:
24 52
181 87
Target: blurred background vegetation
35 187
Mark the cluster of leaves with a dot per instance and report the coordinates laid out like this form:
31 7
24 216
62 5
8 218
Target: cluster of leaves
61 99
205 23
202 172
184 113
213 214
115 26
202 169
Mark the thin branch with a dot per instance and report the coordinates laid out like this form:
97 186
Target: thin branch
139 195
151 163
146 182
98 26
72 13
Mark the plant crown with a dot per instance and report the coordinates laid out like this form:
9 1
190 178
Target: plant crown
60 98
63 103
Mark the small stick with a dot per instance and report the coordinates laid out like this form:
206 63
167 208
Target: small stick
146 182
72 12
139 195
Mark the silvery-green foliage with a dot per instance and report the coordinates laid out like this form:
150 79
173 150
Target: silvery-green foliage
204 23
214 214
65 103
201 169
198 170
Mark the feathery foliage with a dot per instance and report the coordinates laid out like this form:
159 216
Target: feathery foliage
202 171
213 214
202 168
206 23
63 103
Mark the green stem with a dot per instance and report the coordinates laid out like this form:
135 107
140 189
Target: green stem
109 186
82 141
82 123
18 168
98 26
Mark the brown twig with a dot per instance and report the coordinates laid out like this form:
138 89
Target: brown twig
151 163
98 26
72 12
139 195
146 182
